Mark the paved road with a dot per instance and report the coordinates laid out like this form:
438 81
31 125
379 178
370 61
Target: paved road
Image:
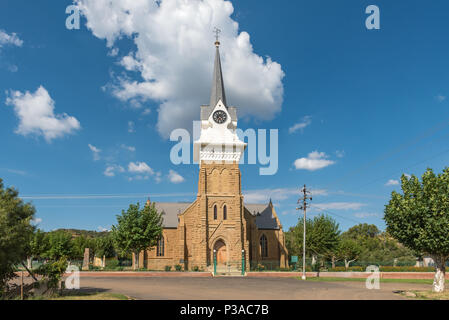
158 288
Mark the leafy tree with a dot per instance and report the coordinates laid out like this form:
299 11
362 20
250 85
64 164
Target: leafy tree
322 237
15 232
419 218
363 231
348 250
137 229
104 246
38 246
59 245
80 243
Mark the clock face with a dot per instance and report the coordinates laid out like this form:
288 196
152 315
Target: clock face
220 117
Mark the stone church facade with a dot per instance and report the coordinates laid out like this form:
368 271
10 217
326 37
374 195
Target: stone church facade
218 224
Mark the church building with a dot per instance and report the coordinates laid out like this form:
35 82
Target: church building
218 225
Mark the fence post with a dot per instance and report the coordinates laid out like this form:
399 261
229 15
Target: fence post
215 262
243 262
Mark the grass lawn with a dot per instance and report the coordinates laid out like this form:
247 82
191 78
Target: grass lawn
427 295
335 279
77 295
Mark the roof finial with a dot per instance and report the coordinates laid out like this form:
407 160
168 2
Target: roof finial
217 36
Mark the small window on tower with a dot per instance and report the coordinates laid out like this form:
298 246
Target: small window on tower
225 213
215 212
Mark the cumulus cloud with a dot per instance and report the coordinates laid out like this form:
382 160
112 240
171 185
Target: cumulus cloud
111 170
129 148
175 177
304 123
440 98
173 57
392 182
140 167
9 39
95 152
314 161
36 115
36 221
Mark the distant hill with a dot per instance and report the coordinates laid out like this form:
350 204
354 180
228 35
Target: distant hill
86 233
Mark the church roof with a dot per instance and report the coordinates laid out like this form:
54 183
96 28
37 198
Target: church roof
170 211
263 212
265 218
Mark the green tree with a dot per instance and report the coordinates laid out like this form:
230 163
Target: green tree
38 246
322 237
137 229
349 250
59 245
15 232
104 247
419 218
362 231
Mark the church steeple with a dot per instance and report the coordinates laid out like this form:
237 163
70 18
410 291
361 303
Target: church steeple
218 91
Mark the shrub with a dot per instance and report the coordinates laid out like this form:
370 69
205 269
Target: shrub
167 268
112 264
196 268
178 267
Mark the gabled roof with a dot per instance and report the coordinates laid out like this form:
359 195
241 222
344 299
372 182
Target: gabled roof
170 211
265 218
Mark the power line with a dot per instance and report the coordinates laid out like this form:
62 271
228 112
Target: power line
334 214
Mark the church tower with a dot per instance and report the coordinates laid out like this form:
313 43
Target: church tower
221 226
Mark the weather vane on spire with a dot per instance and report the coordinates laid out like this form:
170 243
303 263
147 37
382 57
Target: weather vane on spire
217 36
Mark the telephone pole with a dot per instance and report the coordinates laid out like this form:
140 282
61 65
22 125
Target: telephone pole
303 205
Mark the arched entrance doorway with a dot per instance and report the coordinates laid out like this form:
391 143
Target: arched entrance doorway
221 252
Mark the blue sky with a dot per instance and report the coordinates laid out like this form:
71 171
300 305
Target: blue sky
372 103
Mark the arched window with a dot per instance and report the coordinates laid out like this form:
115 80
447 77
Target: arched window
160 247
225 213
215 212
264 246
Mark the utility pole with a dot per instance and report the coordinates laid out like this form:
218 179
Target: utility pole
303 205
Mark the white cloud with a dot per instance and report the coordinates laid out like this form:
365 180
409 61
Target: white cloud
392 182
131 127
112 170
314 161
129 148
339 206
305 122
140 167
103 229
173 45
36 115
9 39
340 153
95 152
440 98
36 221
175 177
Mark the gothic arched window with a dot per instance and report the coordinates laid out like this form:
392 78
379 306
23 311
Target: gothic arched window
215 212
160 247
225 213
264 246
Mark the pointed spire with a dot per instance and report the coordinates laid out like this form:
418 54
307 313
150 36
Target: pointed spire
218 91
